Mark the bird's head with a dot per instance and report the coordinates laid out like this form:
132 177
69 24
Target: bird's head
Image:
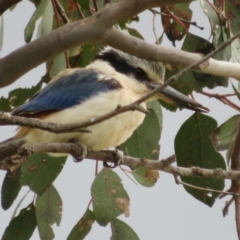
141 70
146 75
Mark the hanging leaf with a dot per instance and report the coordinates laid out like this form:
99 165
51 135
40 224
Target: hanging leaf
48 211
10 188
22 226
193 147
174 28
85 56
28 32
209 11
236 91
144 142
193 43
133 32
146 177
17 97
58 65
46 23
120 230
109 197
83 227
19 204
40 171
223 136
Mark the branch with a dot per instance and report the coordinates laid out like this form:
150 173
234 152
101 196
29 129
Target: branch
98 29
7 118
6 4
110 156
235 186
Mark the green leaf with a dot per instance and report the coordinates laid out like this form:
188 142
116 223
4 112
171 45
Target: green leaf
223 136
120 231
236 91
22 226
193 43
133 32
146 177
209 11
40 171
86 55
10 188
28 32
84 4
46 23
176 29
59 64
19 204
17 97
48 211
109 197
83 227
193 147
144 142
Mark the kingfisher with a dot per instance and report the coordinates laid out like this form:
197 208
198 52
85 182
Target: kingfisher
81 94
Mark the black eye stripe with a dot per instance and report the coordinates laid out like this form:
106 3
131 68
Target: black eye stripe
122 66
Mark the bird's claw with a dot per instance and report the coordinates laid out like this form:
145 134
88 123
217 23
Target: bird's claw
117 160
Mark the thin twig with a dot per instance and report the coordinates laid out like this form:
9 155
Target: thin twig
54 3
154 28
227 205
181 19
222 98
7 118
95 5
205 189
61 12
79 9
125 171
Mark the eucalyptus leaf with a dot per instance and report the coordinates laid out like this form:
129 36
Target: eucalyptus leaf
83 227
193 147
109 197
48 211
40 171
22 226
120 230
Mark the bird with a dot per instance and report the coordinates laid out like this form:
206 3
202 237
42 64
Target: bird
75 95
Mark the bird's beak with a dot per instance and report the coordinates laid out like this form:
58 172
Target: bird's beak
175 97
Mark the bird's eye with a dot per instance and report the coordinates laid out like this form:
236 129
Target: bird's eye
138 71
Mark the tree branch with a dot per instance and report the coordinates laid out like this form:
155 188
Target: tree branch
110 156
6 4
98 29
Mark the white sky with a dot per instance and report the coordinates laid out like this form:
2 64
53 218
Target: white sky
165 211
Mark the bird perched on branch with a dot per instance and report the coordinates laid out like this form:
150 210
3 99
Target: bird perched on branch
75 95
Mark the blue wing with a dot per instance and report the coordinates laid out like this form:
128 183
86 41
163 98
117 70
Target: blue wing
69 90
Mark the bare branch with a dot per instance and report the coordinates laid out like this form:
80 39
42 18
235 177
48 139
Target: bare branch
6 4
98 28
7 118
223 98
110 156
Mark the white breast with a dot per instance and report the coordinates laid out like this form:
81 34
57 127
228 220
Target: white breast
109 133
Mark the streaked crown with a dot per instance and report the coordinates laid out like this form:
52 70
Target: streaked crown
140 69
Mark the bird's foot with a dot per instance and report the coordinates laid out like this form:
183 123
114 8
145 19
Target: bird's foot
80 150
116 157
